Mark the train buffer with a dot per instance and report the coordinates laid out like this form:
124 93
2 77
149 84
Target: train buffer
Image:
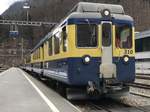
19 92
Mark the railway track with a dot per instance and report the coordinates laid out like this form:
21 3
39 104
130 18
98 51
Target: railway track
95 106
143 91
3 69
107 105
102 105
145 76
141 86
100 108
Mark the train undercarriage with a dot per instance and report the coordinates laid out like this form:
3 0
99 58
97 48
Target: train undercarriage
107 87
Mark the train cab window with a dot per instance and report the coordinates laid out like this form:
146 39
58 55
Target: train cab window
106 34
87 35
50 47
123 36
64 34
57 43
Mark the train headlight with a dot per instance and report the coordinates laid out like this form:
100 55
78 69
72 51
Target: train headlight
106 13
126 59
86 59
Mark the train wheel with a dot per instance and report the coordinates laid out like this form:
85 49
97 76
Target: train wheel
61 89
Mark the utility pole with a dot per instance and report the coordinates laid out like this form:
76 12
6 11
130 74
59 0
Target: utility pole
27 14
27 7
14 24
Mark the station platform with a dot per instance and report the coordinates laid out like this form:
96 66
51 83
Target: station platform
19 92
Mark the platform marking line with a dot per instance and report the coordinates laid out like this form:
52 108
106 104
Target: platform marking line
48 102
2 73
74 106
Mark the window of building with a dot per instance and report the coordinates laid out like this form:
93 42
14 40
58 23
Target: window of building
87 35
123 36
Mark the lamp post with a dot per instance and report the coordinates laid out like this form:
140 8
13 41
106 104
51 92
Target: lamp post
27 7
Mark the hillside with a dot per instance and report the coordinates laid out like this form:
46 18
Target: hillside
55 10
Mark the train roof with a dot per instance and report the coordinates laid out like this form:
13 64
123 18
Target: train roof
41 42
144 34
97 7
98 16
89 10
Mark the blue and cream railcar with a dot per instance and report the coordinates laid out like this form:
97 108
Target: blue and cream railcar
93 47
27 63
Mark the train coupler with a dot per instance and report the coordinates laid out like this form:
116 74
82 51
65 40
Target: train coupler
92 89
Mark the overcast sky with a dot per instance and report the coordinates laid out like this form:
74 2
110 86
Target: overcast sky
4 4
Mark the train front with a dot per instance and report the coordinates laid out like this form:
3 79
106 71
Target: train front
102 49
117 52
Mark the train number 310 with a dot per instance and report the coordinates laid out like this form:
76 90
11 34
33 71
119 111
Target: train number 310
128 51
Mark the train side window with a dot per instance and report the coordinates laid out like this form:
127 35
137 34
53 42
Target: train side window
146 44
35 55
138 45
42 51
87 35
50 47
57 43
142 44
123 36
64 34
39 53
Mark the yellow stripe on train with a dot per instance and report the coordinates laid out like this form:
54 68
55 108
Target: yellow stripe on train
73 51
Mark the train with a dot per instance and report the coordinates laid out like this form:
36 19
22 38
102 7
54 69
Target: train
91 51
142 48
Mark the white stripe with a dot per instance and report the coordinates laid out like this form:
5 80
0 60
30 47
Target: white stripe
48 102
2 73
74 106
57 73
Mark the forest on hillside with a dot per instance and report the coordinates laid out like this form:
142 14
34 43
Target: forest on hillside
54 11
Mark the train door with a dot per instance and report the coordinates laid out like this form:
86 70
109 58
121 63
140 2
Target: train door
107 68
